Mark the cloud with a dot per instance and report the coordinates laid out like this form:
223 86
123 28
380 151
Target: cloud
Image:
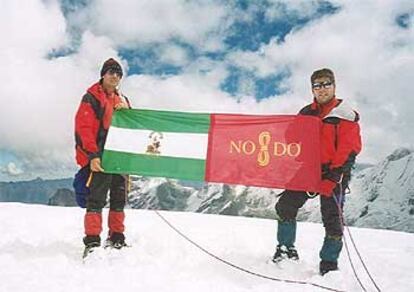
40 95
45 72
11 169
175 55
133 23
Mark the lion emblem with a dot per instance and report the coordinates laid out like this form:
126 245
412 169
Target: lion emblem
154 145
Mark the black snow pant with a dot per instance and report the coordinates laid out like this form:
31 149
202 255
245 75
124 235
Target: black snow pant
291 201
100 184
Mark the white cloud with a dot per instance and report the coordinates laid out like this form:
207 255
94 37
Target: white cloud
39 96
175 55
11 169
30 28
372 57
131 23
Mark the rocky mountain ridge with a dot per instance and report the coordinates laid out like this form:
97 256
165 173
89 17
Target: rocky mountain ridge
382 195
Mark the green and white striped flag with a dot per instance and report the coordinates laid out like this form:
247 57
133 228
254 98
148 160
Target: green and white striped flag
131 145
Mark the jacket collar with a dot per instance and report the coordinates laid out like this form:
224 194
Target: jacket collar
98 91
325 109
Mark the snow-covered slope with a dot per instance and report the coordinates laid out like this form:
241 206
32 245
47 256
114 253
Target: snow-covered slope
41 248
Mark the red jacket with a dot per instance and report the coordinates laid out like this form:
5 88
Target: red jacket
92 121
340 140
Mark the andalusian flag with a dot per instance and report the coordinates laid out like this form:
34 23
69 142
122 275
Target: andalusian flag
278 151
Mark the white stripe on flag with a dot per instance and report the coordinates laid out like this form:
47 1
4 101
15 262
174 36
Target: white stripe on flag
186 145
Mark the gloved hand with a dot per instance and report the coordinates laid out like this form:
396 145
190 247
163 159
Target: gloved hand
334 175
327 187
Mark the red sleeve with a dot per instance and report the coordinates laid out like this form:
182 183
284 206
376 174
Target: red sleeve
86 127
349 141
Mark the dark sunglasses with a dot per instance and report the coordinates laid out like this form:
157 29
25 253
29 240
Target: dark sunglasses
113 71
326 84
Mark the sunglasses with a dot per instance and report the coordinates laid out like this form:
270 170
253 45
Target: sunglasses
115 71
326 84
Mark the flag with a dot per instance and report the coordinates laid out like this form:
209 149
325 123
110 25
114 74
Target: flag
276 151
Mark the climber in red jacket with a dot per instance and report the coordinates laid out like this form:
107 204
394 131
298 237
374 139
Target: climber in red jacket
92 121
340 143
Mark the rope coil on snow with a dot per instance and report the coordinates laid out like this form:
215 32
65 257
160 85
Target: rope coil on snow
362 261
240 268
342 220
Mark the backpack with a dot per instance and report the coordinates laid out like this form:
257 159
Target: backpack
80 185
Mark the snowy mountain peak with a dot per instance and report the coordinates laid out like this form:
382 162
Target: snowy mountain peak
399 153
383 195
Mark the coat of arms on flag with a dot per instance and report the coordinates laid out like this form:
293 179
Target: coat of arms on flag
154 146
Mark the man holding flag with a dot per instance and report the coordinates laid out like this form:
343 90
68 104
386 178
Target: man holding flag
340 142
92 121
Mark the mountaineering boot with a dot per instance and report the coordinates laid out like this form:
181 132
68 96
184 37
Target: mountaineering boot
292 253
278 256
283 252
329 254
93 227
91 242
115 240
326 266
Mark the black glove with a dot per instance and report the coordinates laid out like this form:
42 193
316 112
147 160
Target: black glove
334 175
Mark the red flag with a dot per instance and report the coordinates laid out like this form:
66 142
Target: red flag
267 151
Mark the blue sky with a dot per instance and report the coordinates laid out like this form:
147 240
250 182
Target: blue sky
212 56
247 34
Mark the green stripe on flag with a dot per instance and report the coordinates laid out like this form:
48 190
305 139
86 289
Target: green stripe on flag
152 165
162 121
